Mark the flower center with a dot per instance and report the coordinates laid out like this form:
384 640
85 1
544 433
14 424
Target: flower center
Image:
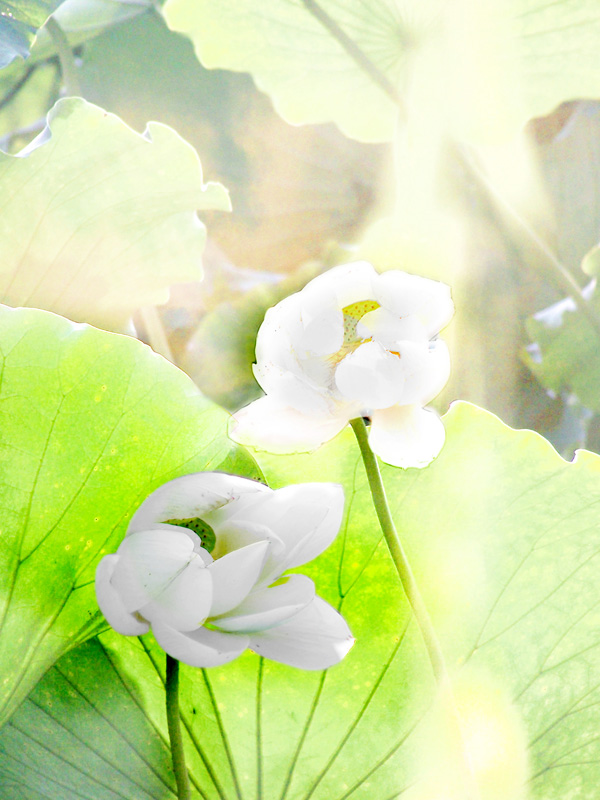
352 316
201 528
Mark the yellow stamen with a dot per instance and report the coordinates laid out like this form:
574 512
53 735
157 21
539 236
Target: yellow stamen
352 316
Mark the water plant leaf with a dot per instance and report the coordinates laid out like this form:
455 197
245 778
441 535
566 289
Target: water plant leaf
502 535
99 220
91 423
483 69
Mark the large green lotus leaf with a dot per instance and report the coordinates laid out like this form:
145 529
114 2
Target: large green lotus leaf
502 534
564 355
81 733
244 724
98 220
19 22
503 537
91 422
480 66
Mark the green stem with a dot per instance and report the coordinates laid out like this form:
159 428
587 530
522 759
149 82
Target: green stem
399 558
173 724
259 755
65 56
411 589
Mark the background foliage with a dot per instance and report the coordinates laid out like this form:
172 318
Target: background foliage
407 134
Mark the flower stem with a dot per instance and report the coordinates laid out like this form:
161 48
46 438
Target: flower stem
399 558
173 724
70 77
411 589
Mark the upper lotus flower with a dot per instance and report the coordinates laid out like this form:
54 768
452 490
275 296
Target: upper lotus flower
202 564
352 343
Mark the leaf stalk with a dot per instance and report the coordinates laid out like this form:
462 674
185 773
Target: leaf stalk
65 56
174 726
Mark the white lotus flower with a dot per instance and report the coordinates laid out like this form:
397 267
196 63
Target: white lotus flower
203 564
352 343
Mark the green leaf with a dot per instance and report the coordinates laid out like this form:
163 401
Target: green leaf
502 535
91 423
26 93
81 734
564 356
82 20
19 22
100 220
474 68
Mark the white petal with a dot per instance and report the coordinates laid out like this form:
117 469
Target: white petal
371 377
149 561
306 518
406 436
281 325
349 282
315 638
193 537
111 604
387 328
268 425
322 320
426 369
404 294
269 607
234 575
239 532
193 495
200 648
185 603
291 390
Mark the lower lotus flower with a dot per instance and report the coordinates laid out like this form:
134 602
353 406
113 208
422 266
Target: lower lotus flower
203 565
352 343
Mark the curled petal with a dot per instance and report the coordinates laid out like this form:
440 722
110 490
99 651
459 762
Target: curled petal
149 561
404 294
200 648
306 518
195 495
111 604
406 436
234 575
315 638
371 376
266 424
204 555
240 532
269 607
185 603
